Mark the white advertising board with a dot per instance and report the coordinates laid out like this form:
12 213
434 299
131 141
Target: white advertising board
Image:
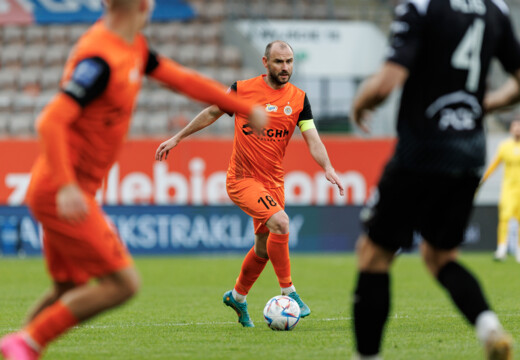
323 48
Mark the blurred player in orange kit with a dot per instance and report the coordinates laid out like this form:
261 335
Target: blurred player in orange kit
255 177
81 132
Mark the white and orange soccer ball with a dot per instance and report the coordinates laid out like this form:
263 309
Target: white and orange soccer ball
282 313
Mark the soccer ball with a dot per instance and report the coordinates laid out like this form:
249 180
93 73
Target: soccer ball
282 313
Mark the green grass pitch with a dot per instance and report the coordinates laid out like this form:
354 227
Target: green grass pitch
179 312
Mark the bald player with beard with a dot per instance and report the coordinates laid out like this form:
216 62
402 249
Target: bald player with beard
255 177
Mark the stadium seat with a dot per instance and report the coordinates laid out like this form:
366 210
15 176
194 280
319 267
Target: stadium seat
56 55
13 35
50 78
33 55
11 55
27 76
157 123
137 125
230 56
7 80
21 124
57 34
35 35
75 31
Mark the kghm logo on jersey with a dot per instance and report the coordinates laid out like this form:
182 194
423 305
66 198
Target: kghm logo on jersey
268 134
271 108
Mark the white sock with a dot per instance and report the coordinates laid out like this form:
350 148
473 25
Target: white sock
487 323
238 297
501 250
288 290
30 341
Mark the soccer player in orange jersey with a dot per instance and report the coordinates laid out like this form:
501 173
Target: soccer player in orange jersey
255 173
81 132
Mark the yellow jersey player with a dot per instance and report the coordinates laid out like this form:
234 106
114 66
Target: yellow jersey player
509 205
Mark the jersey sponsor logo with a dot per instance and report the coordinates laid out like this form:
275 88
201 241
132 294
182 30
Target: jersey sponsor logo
469 6
399 27
275 134
287 110
133 76
271 108
458 110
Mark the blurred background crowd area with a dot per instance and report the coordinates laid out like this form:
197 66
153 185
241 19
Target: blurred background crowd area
32 58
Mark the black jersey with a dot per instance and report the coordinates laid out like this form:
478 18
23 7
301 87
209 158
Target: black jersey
447 47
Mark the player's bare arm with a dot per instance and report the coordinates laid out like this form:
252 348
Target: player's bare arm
204 119
375 90
319 154
506 95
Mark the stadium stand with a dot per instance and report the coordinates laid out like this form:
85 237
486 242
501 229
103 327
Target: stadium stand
32 57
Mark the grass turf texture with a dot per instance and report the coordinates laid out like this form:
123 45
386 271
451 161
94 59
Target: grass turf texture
179 313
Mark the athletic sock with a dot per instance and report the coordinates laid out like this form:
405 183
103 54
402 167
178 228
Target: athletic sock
486 324
288 290
502 233
238 297
50 323
464 290
252 267
371 307
278 251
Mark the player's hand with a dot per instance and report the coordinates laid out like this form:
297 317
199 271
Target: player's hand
258 118
361 118
71 204
333 178
165 147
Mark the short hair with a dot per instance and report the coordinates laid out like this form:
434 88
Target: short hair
119 4
267 52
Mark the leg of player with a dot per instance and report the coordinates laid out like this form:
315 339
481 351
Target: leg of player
502 232
75 306
252 266
371 298
278 251
467 295
517 250
49 298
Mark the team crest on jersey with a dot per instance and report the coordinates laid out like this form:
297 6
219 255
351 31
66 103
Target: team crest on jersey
271 108
287 110
133 76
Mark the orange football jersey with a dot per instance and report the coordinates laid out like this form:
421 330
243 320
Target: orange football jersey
94 139
260 155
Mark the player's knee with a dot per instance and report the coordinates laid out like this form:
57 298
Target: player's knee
133 284
127 284
436 259
279 223
372 257
60 288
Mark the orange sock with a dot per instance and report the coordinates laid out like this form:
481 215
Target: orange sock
252 267
278 251
50 323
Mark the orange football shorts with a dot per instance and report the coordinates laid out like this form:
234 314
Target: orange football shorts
79 252
256 200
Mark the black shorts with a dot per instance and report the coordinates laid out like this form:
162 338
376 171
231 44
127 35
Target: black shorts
437 206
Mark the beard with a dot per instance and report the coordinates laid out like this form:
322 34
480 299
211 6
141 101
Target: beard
276 77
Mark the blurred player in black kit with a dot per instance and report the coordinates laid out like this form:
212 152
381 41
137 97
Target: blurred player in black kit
440 53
